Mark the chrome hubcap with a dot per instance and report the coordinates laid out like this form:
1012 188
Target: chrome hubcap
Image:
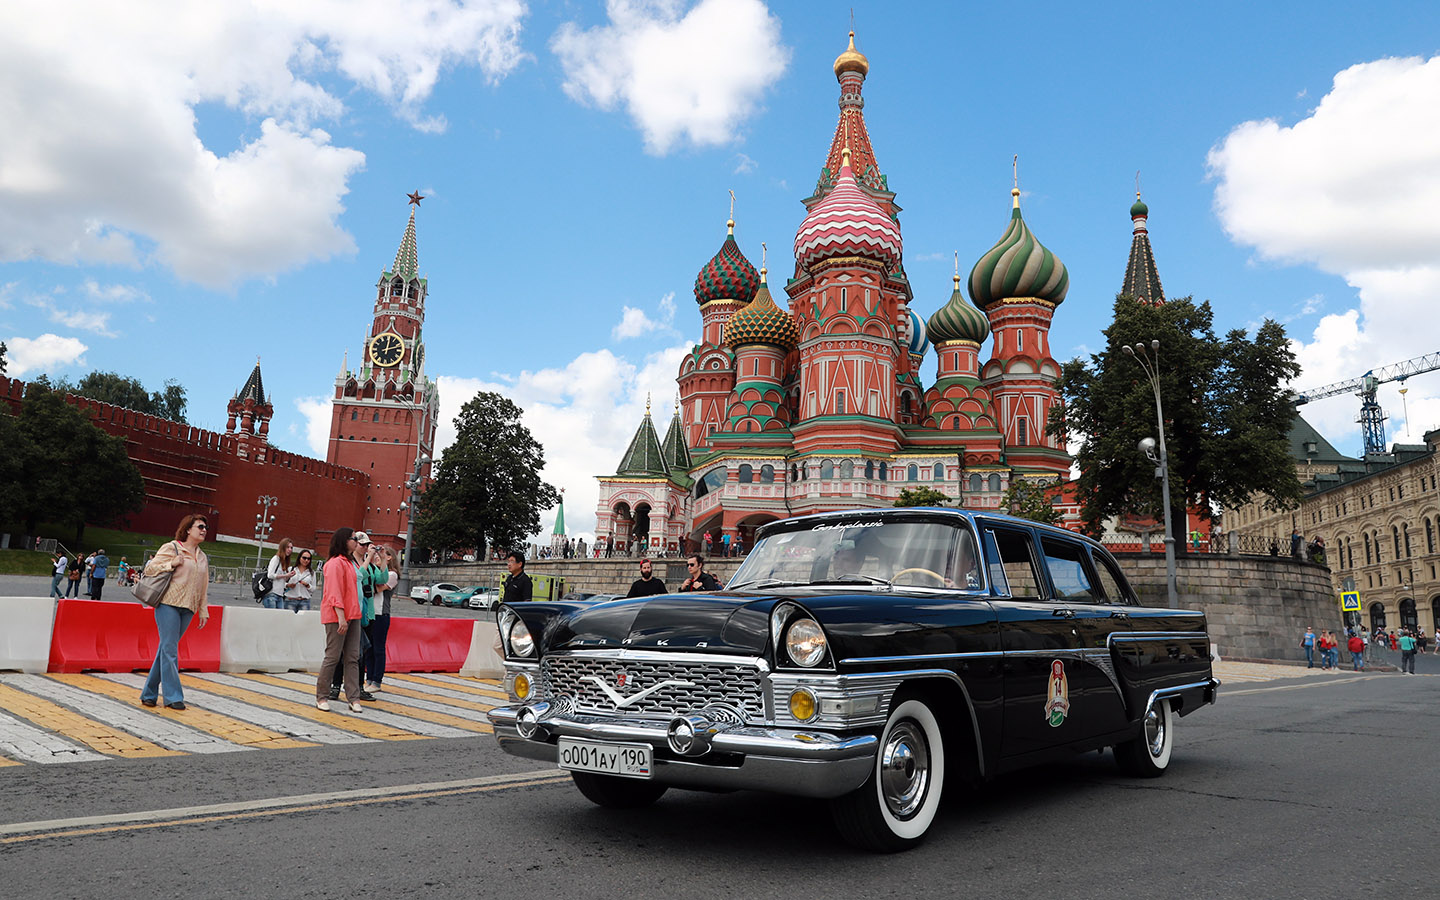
1155 732
904 769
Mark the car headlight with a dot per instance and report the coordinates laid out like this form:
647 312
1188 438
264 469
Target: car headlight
521 642
805 642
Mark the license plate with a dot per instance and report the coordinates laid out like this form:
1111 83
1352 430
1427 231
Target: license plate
625 760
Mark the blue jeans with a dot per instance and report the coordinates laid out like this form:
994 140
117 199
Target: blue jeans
273 601
74 589
170 622
1355 661
378 628
1310 655
296 604
55 585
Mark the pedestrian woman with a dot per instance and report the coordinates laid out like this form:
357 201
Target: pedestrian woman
184 597
61 565
380 625
73 575
301 583
279 573
340 614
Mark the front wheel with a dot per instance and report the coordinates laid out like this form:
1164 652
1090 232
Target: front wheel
1148 756
613 792
895 806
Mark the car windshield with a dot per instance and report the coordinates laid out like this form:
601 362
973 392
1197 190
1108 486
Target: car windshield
865 552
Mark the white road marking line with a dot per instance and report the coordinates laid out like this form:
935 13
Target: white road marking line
273 719
21 740
281 802
1295 687
418 726
161 730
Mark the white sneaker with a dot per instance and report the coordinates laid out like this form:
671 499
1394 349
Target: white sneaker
372 687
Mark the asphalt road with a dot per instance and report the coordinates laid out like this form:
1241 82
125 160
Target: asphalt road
1313 787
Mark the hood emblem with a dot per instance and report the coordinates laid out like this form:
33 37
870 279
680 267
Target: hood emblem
621 701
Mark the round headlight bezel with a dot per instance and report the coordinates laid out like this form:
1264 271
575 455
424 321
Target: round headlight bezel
519 639
805 642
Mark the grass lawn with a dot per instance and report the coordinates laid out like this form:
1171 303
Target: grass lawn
134 546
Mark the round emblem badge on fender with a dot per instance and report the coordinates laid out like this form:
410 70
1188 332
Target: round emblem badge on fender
1057 695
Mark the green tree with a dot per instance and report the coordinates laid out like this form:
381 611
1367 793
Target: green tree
1029 500
922 496
3 351
1227 415
71 471
122 390
487 490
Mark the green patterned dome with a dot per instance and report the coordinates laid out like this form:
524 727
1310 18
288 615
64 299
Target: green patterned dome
762 322
1018 266
958 320
728 275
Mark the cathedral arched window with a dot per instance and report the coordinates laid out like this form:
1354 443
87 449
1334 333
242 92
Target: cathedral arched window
847 468
994 482
905 405
884 471
939 471
977 483
912 473
869 470
354 414
767 474
794 472
955 423
827 470
747 473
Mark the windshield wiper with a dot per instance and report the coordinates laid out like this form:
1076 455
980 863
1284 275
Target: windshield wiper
856 577
763 583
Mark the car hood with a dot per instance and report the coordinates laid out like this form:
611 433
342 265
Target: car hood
726 623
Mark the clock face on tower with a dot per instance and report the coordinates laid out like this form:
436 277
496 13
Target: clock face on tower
386 349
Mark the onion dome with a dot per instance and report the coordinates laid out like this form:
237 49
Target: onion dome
762 322
957 320
848 223
851 60
919 337
1139 210
1017 266
728 275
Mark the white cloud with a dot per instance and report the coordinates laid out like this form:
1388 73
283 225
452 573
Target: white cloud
41 354
583 414
744 165
636 323
689 75
1350 189
110 167
97 322
112 293
317 413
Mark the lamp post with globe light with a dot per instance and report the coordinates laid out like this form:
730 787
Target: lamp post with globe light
1150 362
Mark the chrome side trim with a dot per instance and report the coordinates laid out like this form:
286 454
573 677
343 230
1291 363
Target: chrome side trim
680 656
888 660
1117 637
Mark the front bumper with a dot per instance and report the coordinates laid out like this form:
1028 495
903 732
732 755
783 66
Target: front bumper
781 760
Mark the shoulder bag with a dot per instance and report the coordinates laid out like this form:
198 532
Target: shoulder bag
150 588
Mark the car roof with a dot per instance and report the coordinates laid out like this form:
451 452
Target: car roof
921 514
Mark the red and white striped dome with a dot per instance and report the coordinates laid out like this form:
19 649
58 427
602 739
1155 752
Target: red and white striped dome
848 223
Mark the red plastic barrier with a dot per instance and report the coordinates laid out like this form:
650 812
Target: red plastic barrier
427 645
107 636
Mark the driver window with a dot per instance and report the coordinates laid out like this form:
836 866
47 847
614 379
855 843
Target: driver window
1014 563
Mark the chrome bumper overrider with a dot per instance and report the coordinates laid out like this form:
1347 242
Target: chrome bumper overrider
781 760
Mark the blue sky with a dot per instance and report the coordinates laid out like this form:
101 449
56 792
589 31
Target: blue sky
199 184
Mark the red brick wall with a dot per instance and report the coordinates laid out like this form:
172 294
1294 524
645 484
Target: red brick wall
188 469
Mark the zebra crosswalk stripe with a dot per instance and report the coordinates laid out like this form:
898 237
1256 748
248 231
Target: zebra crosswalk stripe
285 690
430 710
97 736
21 741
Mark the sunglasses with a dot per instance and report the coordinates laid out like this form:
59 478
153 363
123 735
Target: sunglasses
202 526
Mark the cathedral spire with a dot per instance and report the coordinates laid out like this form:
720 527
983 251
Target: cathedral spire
851 67
407 258
643 457
1142 278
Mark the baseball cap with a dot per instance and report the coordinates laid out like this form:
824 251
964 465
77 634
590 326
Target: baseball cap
362 538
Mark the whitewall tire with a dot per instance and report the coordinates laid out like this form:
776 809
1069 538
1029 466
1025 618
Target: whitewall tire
896 805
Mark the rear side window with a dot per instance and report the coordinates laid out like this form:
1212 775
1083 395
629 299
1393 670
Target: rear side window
1013 563
1116 588
1068 573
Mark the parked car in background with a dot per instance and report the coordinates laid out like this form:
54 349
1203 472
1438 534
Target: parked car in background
869 658
478 597
488 598
430 593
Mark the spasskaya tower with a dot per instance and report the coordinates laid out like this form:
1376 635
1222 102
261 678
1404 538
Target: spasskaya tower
384 413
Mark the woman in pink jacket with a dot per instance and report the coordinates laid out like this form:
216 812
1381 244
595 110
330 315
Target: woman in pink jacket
340 614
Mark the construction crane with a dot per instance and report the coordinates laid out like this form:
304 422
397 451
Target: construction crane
1372 417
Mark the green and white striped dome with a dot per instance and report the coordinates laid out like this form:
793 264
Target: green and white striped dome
1017 266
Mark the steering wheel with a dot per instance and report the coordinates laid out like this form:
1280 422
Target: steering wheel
940 579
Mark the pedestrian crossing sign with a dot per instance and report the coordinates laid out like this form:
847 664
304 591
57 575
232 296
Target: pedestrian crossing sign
1349 601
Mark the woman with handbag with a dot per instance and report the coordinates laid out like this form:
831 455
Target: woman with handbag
73 576
380 624
340 614
301 583
184 597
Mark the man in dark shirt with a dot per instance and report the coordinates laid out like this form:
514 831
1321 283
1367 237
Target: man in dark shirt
699 579
517 583
646 585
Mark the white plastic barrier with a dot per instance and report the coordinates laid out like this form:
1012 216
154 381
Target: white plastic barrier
271 640
25 633
482 661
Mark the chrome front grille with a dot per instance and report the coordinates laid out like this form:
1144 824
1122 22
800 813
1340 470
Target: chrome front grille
689 685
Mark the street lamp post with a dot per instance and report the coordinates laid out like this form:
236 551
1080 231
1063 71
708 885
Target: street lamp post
264 521
1162 464
402 584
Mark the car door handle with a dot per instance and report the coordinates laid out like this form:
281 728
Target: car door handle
1117 614
1067 613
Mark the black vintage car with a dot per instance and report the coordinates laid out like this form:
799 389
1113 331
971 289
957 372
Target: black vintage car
864 657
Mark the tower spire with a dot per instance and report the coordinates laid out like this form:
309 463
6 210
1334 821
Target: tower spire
1142 277
851 68
407 258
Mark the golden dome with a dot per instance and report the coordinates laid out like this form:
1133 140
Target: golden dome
851 60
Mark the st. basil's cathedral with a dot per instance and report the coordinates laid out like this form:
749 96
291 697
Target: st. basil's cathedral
822 407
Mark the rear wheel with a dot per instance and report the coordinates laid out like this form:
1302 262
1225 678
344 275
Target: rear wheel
613 792
895 806
1148 756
